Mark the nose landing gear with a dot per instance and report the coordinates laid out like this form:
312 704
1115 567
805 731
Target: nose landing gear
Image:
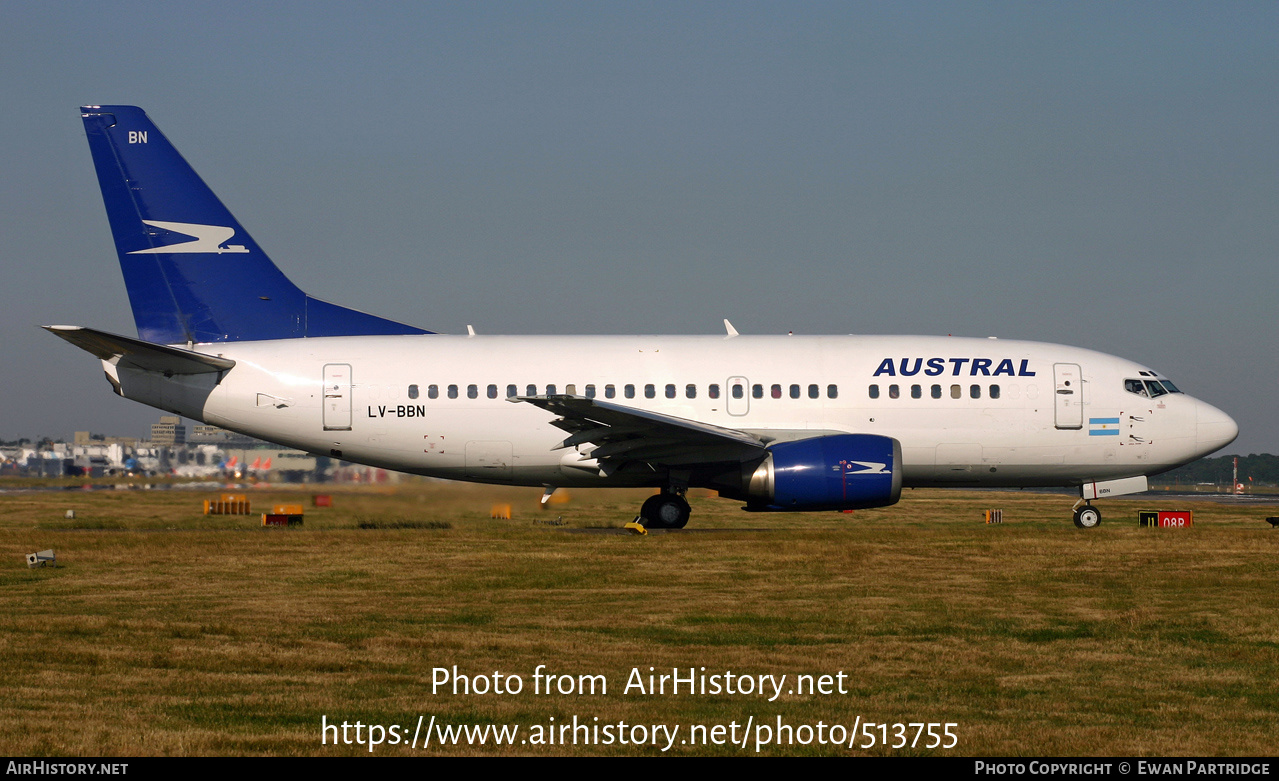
1087 517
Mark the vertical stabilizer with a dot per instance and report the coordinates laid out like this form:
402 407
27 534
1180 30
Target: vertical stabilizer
193 273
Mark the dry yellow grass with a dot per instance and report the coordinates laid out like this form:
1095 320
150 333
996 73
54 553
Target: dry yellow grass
164 631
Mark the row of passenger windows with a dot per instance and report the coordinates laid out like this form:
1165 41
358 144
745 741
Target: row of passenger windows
670 391
757 391
917 391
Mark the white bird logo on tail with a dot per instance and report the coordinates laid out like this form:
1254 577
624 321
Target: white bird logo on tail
208 238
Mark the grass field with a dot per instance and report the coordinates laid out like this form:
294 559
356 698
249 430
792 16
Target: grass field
166 632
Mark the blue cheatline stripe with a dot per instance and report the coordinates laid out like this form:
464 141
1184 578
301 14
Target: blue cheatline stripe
1093 421
1101 433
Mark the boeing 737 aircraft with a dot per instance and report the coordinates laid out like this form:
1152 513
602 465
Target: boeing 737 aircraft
781 423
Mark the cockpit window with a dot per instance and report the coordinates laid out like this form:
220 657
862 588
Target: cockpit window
1150 388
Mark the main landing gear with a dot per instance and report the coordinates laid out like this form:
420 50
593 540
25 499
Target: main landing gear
665 511
1087 517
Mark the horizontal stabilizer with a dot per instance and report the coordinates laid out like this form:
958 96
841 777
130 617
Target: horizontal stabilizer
135 353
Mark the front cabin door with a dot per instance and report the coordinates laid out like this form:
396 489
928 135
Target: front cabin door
1069 395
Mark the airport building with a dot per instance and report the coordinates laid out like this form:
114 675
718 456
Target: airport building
89 439
203 434
209 452
169 432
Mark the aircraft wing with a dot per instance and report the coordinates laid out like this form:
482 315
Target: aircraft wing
619 434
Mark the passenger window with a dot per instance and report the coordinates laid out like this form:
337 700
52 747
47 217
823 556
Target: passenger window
975 391
936 391
452 391
610 391
712 391
650 391
530 390
956 392
432 391
916 392
738 391
874 391
412 391
776 391
894 392
994 391
757 391
629 391
832 391
814 392
550 390
670 390
690 391
492 391
512 391
472 392
794 391
571 389
590 391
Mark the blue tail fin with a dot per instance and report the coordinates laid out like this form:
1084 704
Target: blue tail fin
193 273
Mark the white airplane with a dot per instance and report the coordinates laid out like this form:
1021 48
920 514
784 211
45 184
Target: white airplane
782 423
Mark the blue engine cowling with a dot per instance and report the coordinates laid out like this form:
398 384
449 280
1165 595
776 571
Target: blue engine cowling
837 472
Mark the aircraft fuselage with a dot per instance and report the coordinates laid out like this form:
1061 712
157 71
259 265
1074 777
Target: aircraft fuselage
979 412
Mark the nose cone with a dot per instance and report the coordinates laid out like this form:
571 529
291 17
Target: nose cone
1214 429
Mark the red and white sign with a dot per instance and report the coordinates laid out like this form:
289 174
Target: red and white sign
1175 519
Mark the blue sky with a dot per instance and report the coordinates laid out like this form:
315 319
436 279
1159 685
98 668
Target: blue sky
1098 174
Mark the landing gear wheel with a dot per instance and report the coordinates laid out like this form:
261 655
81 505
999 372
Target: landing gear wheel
1087 517
665 511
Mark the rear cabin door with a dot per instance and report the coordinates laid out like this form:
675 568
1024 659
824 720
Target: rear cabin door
1069 395
337 397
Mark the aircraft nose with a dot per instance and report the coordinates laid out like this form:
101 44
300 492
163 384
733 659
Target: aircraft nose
1214 429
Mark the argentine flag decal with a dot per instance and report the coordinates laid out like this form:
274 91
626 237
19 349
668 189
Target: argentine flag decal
1103 427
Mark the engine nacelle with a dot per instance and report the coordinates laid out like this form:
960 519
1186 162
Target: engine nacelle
837 472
